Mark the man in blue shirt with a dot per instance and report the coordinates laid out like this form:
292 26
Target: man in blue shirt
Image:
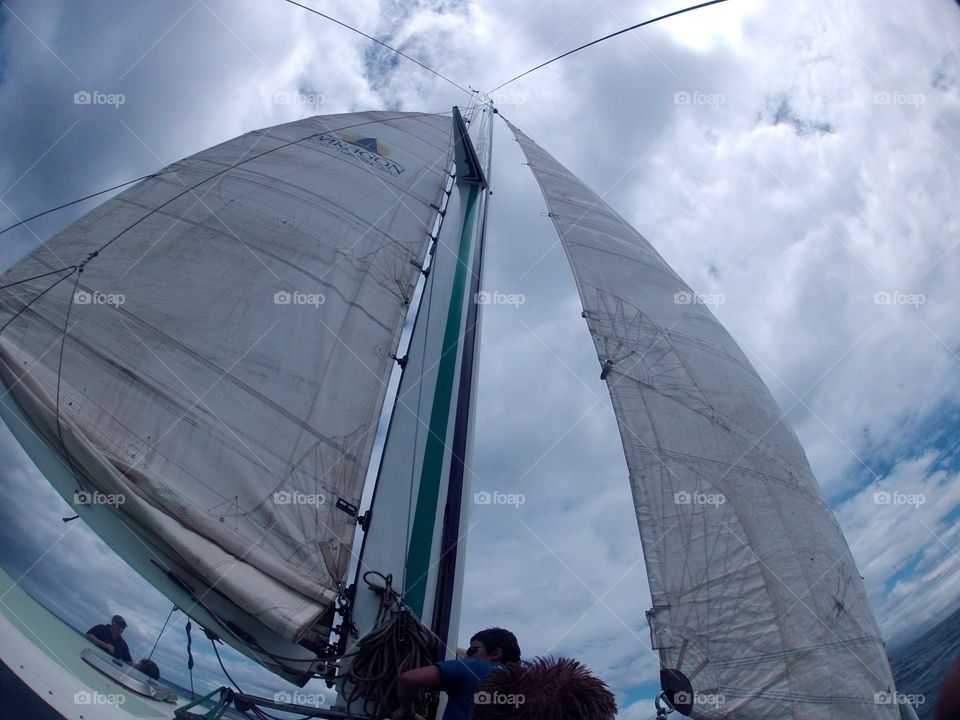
460 679
108 638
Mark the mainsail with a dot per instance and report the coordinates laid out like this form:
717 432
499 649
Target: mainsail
209 352
756 598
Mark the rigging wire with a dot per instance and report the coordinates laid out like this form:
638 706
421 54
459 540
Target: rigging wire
74 202
170 615
259 712
607 37
380 42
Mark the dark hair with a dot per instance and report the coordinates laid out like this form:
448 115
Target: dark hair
545 689
148 668
495 637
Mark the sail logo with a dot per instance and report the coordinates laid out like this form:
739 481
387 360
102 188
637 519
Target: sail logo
698 498
485 697
368 150
282 497
282 297
486 497
85 697
95 497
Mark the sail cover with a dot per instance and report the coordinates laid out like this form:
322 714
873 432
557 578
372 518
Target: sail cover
756 598
220 363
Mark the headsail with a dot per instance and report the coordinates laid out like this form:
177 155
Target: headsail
227 349
756 598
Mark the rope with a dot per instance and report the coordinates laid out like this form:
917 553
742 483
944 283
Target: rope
607 37
190 657
398 642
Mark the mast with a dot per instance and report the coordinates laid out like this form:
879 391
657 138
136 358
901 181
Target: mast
418 518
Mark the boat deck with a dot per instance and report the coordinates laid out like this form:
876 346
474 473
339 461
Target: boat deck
45 654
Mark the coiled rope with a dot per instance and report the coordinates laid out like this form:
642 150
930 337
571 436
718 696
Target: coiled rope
398 642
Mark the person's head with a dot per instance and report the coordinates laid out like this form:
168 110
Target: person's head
117 625
149 668
494 644
545 689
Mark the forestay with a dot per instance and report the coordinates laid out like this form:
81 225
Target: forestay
756 598
228 346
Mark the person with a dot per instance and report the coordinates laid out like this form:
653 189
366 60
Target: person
489 649
545 689
108 638
948 705
148 667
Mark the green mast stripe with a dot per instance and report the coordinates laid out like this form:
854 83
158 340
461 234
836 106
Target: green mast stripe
424 521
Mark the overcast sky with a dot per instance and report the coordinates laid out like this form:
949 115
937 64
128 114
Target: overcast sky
796 163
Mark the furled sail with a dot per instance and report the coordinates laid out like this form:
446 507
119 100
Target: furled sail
213 346
756 598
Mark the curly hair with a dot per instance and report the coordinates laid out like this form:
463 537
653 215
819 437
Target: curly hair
545 689
495 637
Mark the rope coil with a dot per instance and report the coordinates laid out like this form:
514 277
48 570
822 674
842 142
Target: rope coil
398 642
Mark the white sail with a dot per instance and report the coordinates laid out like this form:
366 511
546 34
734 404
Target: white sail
228 346
756 598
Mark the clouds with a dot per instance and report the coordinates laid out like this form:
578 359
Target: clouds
778 156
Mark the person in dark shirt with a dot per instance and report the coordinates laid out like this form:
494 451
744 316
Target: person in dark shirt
948 706
148 667
489 649
108 638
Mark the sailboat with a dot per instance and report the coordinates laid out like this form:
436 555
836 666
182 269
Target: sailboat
203 359
200 365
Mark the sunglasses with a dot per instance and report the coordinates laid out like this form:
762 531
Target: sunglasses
472 650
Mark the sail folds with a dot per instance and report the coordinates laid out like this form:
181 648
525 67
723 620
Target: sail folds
219 366
756 598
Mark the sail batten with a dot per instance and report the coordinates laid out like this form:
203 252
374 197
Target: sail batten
228 350
756 598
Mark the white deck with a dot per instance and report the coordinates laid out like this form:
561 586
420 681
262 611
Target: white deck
45 654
